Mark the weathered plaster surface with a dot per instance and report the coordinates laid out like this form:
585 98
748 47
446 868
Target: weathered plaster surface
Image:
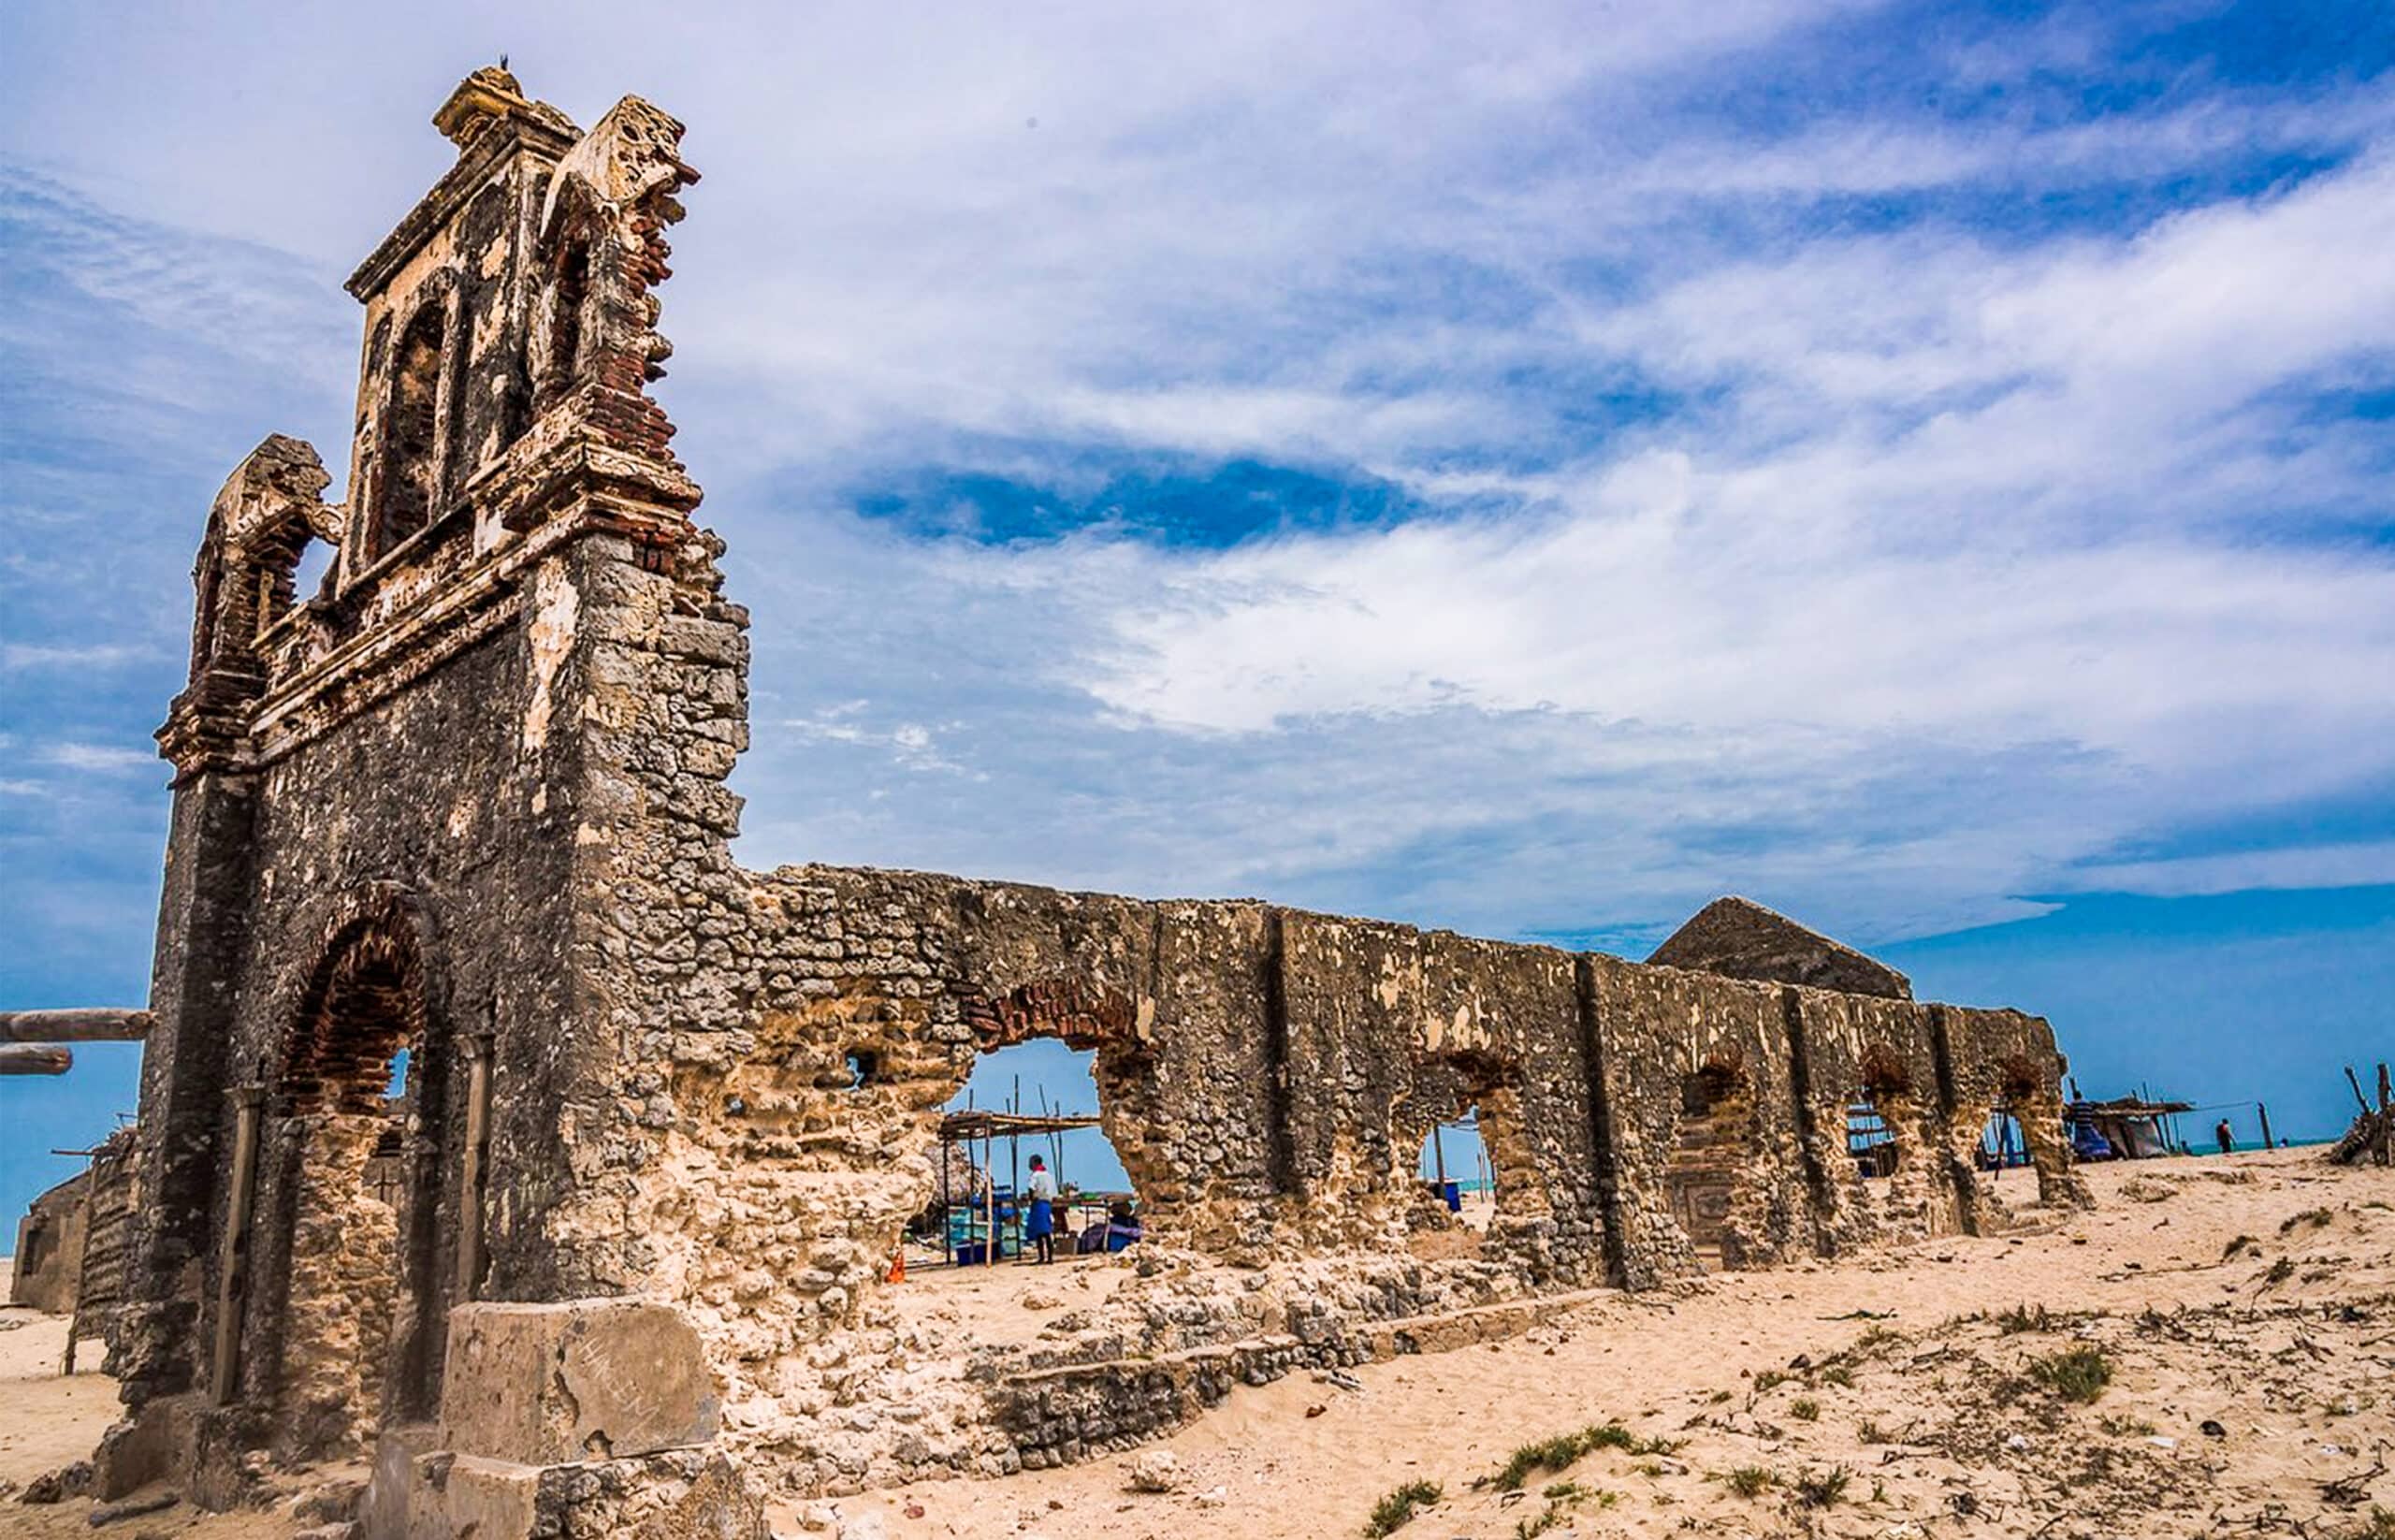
469 801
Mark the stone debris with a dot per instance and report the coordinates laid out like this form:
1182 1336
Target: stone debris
1155 1471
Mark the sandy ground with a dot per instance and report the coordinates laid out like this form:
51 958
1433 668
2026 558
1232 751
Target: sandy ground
2244 1309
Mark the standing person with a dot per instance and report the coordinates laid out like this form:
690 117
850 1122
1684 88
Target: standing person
2227 1136
1041 1227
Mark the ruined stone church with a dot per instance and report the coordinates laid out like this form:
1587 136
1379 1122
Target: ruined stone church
450 894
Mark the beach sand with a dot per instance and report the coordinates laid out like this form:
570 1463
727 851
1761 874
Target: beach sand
1891 1395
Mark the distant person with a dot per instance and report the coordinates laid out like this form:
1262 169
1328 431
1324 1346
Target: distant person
2226 1136
1040 1228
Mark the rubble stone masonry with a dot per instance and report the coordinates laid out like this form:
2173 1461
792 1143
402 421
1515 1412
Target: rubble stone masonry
459 818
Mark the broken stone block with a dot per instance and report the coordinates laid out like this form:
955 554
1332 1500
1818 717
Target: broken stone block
548 1385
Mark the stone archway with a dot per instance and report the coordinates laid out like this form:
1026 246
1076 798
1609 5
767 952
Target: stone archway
1711 1144
358 1116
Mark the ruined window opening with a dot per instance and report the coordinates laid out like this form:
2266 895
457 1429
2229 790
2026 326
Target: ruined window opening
1097 1207
1453 1167
568 299
212 583
410 478
275 569
2003 1146
1875 1115
1468 1108
1868 1139
1716 1102
314 575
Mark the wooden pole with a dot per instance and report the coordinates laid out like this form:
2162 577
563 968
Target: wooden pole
2265 1111
35 1058
1438 1155
990 1196
469 1230
2355 1081
232 1258
2386 1119
80 1023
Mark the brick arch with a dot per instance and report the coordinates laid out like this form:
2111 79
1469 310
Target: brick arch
1079 1014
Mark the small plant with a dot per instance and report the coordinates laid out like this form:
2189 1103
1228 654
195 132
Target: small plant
2019 1318
1806 1409
1747 1481
1530 1529
1767 1379
1839 1375
1395 1511
2241 1243
1559 1452
2281 1270
1822 1488
2124 1427
1876 1337
1869 1431
1563 1491
2309 1216
2076 1374
1719 1397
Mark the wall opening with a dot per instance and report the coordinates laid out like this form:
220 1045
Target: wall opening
410 474
569 296
360 1159
1879 1118
1045 1103
1468 1109
1453 1168
1717 1104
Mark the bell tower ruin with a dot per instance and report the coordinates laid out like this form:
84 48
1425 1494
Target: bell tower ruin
398 804
497 1128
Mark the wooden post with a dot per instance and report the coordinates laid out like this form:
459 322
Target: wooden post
469 1233
1439 1155
35 1058
232 1256
990 1196
79 1023
2265 1111
2355 1081
2386 1119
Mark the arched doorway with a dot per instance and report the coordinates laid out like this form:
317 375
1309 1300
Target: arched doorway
1716 1107
357 1143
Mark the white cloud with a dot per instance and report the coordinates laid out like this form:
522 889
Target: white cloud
103 758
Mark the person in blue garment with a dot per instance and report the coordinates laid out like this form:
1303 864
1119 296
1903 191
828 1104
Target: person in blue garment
1039 1228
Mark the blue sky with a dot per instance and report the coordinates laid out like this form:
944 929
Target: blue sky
1528 469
